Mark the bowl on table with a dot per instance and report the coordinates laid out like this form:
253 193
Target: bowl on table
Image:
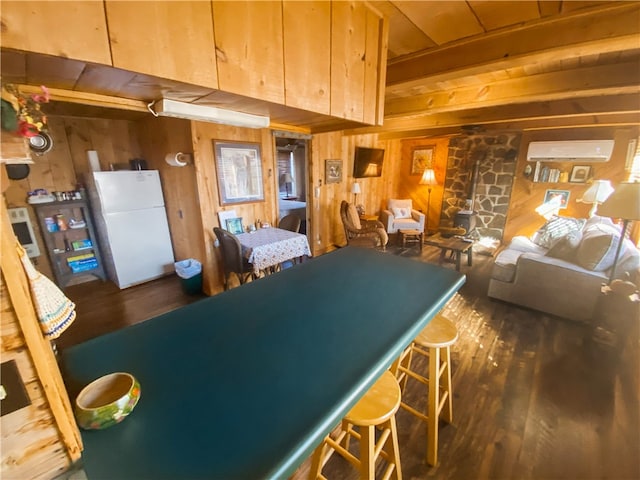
107 401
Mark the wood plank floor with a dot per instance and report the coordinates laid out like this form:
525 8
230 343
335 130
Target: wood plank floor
534 396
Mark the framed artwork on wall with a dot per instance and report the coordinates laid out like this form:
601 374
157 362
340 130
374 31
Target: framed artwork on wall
239 172
234 225
580 174
421 158
333 171
560 196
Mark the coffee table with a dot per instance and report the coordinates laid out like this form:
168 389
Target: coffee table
453 245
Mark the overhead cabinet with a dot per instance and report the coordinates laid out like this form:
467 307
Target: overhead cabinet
171 40
326 57
76 30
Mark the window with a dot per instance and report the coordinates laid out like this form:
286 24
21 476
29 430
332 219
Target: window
634 169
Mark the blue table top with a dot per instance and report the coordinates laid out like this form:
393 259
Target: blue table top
245 384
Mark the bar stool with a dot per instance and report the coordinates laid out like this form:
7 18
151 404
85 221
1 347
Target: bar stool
376 409
434 342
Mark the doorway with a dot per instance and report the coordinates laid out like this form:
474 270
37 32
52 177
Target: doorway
292 162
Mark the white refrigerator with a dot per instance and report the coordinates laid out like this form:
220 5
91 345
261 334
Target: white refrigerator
131 220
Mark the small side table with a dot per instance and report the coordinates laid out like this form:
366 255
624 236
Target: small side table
368 218
405 236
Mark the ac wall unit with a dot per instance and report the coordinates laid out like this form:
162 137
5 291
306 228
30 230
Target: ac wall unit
189 111
570 151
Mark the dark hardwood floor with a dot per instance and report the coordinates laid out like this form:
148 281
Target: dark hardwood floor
535 397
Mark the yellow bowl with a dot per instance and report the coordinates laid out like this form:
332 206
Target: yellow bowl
107 401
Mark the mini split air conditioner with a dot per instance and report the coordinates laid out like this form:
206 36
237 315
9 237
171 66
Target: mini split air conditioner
189 111
570 151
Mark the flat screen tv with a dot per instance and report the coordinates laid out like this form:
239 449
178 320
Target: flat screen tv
368 162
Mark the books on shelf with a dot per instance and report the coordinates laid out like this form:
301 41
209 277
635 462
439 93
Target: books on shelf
81 244
547 174
82 263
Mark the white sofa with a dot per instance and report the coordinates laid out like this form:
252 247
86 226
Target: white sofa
562 268
400 215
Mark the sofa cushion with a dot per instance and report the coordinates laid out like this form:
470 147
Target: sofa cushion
399 203
524 244
556 227
504 267
354 218
598 246
400 212
566 247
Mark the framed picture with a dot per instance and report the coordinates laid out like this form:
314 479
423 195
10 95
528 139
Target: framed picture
234 225
333 171
421 158
561 196
580 174
239 171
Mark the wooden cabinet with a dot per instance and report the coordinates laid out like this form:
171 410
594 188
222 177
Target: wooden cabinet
171 40
70 240
249 46
75 30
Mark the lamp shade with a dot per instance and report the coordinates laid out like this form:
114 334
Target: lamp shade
623 203
428 177
355 188
371 170
597 193
286 178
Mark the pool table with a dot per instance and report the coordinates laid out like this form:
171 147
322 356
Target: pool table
245 384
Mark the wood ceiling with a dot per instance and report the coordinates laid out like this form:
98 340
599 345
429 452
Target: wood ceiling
521 65
509 65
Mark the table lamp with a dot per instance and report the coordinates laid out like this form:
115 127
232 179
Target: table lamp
287 179
623 203
429 179
597 193
355 189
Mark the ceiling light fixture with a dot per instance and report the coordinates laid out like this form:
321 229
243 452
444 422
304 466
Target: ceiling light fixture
172 108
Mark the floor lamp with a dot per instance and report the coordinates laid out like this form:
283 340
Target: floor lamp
624 203
429 179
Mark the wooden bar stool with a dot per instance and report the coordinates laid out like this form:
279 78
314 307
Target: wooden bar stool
376 409
434 342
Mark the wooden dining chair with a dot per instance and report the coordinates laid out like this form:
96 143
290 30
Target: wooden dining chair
290 222
232 259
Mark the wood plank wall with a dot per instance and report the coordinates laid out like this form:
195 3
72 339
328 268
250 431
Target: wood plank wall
522 218
66 165
204 135
159 137
41 439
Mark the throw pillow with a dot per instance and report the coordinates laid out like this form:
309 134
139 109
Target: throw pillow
565 248
401 212
598 247
354 218
555 228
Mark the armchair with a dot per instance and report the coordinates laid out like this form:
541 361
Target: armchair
359 232
401 215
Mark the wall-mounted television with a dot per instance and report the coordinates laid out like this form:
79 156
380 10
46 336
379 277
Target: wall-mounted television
368 162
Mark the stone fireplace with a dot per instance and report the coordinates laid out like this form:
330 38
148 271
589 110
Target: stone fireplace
478 182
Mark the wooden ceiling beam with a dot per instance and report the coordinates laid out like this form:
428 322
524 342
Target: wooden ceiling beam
587 107
616 120
611 28
619 78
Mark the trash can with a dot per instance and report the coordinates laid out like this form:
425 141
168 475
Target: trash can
190 273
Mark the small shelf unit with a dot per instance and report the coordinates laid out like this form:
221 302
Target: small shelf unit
72 244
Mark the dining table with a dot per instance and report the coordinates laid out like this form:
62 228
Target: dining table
267 247
247 383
